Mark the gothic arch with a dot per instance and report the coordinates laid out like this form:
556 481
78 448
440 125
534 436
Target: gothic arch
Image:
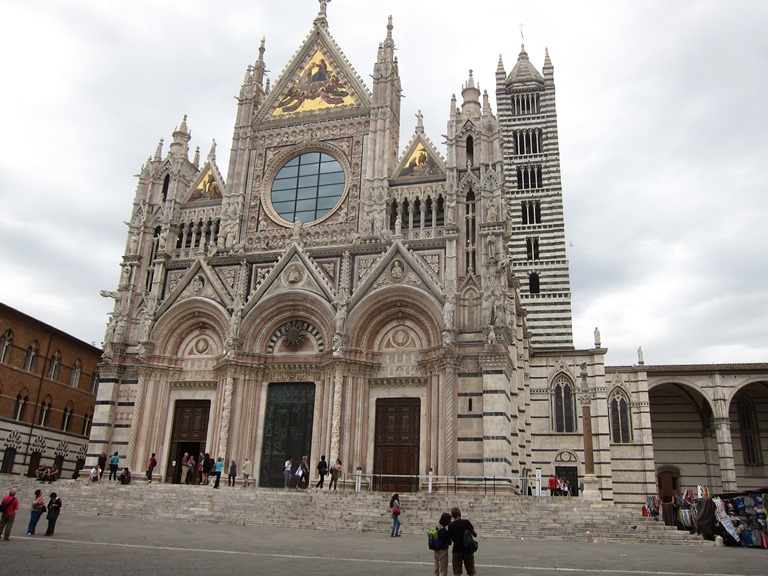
266 324
390 306
174 327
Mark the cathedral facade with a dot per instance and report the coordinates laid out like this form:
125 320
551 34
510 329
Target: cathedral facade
403 309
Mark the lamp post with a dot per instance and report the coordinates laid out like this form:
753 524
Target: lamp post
586 395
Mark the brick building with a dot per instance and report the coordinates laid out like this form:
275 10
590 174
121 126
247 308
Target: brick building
48 383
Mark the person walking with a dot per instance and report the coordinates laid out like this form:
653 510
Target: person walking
38 507
322 470
287 473
335 473
303 482
151 467
191 471
184 468
114 464
9 504
461 555
247 471
553 485
208 465
394 505
54 509
441 554
102 462
218 468
200 468
232 476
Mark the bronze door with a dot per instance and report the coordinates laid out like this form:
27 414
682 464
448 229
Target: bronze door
287 429
396 449
189 434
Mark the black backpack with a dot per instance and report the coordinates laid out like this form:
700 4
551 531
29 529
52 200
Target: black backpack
470 544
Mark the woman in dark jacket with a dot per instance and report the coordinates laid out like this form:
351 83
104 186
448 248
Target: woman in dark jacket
54 508
208 464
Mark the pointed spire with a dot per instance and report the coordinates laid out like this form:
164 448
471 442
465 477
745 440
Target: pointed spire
452 113
387 48
486 103
500 67
159 150
196 159
471 95
524 72
259 68
549 70
183 126
212 153
322 16
181 137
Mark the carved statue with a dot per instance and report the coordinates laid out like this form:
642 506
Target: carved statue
341 316
449 314
640 355
597 338
492 213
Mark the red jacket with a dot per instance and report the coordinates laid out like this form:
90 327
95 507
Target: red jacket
13 505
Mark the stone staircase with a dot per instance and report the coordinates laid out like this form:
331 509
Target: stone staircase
494 516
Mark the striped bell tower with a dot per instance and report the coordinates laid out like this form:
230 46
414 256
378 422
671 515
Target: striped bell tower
534 198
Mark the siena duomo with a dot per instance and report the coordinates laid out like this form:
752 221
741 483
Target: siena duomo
401 306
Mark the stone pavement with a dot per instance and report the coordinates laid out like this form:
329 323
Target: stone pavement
91 545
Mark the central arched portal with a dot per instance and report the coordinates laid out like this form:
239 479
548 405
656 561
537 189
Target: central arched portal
287 429
396 449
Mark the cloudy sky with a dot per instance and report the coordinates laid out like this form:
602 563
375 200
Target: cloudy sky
662 111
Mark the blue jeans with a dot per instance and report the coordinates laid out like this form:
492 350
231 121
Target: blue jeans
33 520
395 524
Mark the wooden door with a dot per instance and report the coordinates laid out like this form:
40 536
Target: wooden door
190 428
396 444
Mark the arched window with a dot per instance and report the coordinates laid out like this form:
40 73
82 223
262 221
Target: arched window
87 424
750 434
470 232
74 379
18 409
533 283
563 397
470 151
95 382
44 409
66 417
55 365
30 362
166 185
621 426
6 343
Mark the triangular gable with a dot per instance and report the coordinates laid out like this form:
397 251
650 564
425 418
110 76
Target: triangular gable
397 265
421 161
295 269
198 281
208 186
319 78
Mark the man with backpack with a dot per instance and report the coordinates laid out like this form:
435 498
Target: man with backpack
9 505
461 532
